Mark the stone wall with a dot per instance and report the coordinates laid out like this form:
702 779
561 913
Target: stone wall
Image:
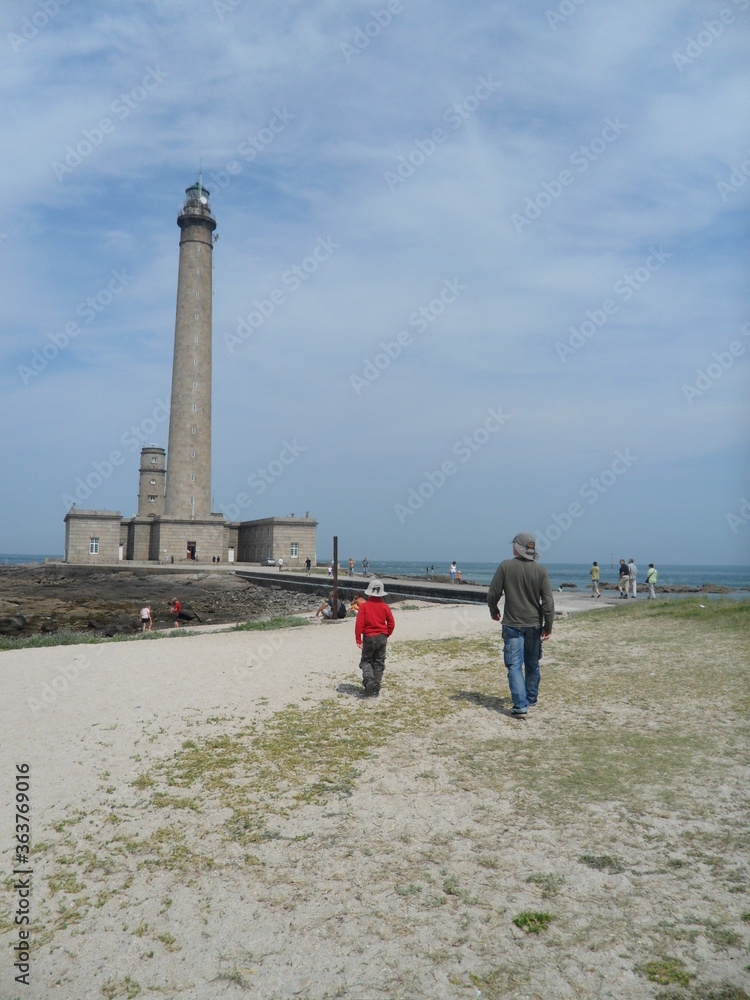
92 537
274 538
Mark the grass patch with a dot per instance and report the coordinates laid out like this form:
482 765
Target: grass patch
533 921
270 624
67 637
603 863
666 971
724 612
126 987
704 991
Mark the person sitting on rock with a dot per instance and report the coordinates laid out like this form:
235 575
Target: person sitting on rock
326 608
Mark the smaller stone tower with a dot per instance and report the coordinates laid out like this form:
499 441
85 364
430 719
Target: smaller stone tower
151 482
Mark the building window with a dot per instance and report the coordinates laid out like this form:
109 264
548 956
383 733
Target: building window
153 482
194 407
153 460
197 295
152 498
93 546
192 477
196 339
196 315
192 454
197 249
195 385
295 550
192 501
195 361
192 430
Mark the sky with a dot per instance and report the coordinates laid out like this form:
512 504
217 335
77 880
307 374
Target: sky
481 268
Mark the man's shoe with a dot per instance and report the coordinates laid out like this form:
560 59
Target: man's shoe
369 686
518 715
375 691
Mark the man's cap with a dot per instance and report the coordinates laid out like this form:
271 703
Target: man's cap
524 545
375 588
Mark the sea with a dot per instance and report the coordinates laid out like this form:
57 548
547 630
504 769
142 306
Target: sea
736 577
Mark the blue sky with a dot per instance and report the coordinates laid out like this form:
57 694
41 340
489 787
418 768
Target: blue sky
501 249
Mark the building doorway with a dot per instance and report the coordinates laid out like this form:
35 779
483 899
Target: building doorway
191 550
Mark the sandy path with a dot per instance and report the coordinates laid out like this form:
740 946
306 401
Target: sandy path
391 873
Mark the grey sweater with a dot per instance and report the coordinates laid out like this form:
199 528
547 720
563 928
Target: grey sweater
528 594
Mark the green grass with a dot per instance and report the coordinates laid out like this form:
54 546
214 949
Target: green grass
270 624
67 637
533 921
666 971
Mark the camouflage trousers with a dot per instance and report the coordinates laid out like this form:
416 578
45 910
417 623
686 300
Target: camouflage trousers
372 663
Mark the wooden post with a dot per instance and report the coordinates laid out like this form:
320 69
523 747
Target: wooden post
335 577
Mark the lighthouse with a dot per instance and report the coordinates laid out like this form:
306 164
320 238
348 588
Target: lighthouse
188 481
175 522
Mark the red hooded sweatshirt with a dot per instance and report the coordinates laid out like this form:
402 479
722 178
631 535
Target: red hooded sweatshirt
373 618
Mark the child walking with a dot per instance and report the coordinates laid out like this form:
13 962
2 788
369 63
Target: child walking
371 630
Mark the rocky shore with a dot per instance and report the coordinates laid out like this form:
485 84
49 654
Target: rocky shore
35 598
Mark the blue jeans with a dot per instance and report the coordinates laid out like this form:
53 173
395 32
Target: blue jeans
522 646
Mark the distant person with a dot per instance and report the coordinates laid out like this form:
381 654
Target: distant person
453 571
651 577
176 608
365 567
351 566
458 576
308 564
330 569
146 621
432 571
371 630
281 564
633 578
357 601
528 616
326 608
594 574
623 579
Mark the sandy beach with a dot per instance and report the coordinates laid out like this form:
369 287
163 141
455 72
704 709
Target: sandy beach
222 814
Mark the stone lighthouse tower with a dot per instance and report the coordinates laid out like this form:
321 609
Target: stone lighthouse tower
188 482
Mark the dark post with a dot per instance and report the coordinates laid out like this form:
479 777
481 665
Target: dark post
335 577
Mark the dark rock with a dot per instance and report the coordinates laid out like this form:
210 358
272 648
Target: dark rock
12 625
567 586
187 615
49 626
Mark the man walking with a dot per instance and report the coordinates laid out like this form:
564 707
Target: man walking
633 578
623 580
527 619
651 577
